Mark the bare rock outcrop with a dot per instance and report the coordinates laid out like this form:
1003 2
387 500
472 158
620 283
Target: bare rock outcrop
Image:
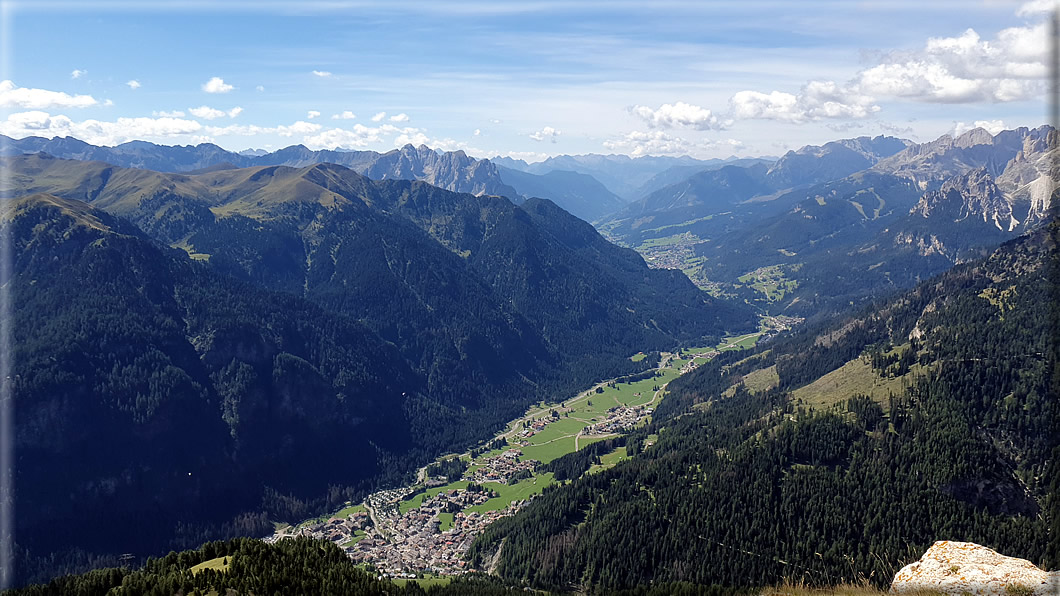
968 568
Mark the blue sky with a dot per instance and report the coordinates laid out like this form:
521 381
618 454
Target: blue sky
528 79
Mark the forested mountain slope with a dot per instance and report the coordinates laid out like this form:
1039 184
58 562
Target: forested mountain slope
317 332
836 454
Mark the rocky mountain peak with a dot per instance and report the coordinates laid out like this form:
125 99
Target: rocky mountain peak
976 136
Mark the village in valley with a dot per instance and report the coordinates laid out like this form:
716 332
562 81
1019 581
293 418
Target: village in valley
427 528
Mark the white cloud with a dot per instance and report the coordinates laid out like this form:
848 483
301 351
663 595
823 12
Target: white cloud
206 112
164 114
43 124
527 156
12 96
966 69
657 142
1036 8
402 117
547 133
816 100
413 137
312 114
108 102
679 114
495 121
379 116
259 88
991 126
216 85
347 115
322 73
299 127
654 142
76 73
133 84
477 132
360 136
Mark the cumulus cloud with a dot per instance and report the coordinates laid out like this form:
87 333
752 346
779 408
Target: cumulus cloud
361 136
379 116
402 117
477 132
77 73
1036 8
679 114
259 88
965 69
817 100
322 73
991 126
347 115
164 114
546 134
133 84
206 113
217 85
312 114
43 124
657 142
300 127
12 96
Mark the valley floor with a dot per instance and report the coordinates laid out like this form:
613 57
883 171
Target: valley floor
426 528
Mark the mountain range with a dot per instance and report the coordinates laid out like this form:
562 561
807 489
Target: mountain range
865 216
279 312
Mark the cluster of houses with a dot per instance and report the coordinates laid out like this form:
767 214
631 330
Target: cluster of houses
535 427
415 543
619 419
502 467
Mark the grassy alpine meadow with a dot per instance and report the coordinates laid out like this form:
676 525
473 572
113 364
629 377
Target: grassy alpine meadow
507 494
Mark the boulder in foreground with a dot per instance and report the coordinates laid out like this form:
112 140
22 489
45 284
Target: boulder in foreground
968 568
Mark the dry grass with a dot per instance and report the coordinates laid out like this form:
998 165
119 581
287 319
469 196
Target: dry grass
801 589
856 376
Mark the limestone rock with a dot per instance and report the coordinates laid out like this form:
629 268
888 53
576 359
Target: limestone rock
967 568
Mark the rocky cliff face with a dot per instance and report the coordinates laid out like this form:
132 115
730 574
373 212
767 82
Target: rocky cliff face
453 170
968 568
971 195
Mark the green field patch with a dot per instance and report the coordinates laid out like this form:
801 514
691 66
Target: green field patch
676 239
740 342
608 461
685 223
638 357
445 521
218 564
770 281
547 452
507 494
416 501
358 535
348 511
